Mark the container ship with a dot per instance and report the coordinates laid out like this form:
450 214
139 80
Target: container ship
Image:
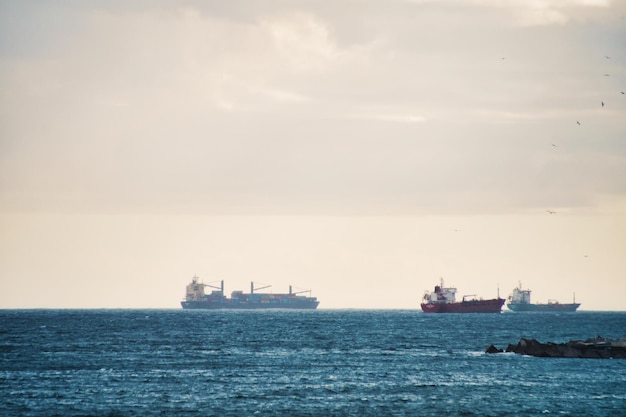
519 300
196 298
443 300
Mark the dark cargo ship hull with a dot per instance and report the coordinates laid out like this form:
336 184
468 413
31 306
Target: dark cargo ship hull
471 306
543 307
212 305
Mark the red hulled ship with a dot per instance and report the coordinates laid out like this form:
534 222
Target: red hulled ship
443 300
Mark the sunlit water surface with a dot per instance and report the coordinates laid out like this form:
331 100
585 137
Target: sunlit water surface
300 363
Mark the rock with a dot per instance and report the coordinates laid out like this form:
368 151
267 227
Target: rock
596 348
510 348
493 349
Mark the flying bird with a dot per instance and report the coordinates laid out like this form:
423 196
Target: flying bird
577 122
607 57
602 103
622 92
551 212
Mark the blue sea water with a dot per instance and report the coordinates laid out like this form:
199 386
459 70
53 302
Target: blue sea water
300 363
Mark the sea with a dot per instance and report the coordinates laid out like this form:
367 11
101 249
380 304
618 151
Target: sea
301 363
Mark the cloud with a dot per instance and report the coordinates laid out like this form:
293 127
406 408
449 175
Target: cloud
301 41
386 117
282 95
545 12
401 108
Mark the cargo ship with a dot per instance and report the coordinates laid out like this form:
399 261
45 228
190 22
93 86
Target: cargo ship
443 300
195 298
519 300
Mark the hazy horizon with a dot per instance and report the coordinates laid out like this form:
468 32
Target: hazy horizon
359 149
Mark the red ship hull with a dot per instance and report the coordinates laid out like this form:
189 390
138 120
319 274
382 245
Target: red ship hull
470 306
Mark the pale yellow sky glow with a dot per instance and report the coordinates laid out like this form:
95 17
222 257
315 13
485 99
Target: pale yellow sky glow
360 149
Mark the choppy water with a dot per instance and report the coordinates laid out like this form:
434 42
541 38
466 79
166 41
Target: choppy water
309 363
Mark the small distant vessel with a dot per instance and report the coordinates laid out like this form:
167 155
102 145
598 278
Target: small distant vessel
195 298
443 300
519 300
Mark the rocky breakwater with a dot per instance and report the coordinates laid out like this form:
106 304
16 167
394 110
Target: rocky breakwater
596 348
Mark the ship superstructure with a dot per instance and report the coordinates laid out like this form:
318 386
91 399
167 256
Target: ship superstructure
196 298
443 300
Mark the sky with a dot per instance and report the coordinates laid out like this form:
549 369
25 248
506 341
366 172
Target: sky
359 149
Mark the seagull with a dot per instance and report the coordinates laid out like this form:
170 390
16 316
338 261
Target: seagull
602 103
551 212
607 57
554 145
578 122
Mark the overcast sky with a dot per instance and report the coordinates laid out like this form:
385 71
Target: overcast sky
362 149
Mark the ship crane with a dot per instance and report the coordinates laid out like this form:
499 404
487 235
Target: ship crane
221 287
291 292
210 284
260 288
